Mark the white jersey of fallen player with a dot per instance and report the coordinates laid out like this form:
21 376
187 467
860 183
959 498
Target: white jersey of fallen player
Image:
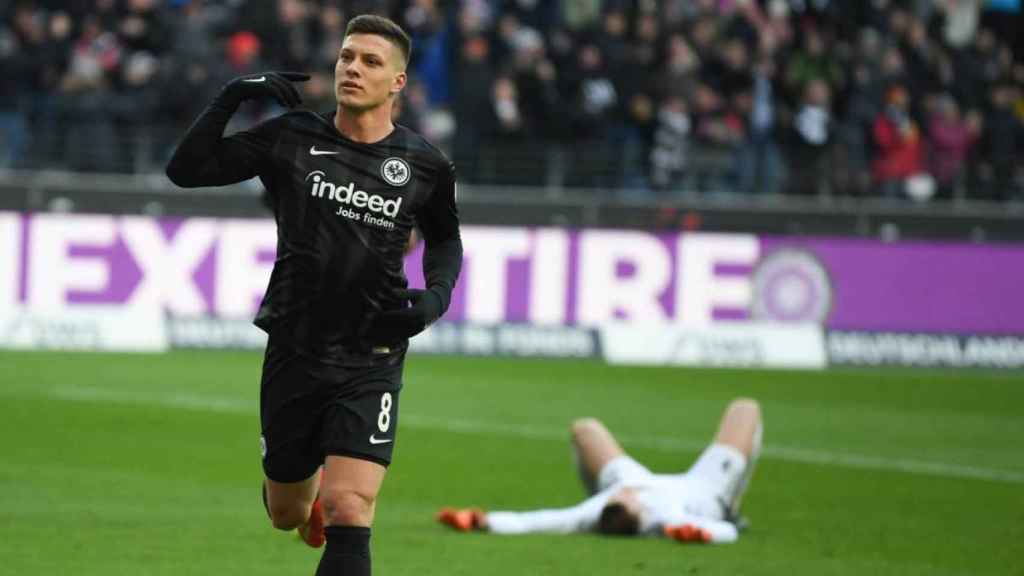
700 496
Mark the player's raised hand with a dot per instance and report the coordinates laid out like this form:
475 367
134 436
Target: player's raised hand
276 85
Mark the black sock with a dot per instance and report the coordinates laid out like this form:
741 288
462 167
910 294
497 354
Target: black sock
347 552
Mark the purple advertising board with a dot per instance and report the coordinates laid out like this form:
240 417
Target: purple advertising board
545 276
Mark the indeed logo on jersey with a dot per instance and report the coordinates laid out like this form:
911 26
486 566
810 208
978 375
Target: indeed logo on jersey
349 195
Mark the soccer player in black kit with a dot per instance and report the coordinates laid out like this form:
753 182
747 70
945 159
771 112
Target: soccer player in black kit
346 188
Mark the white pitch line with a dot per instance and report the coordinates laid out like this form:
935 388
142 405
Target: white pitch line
197 402
775 452
476 427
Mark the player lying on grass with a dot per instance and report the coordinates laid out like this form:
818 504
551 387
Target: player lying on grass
699 505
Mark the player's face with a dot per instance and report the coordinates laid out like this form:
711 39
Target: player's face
369 72
628 498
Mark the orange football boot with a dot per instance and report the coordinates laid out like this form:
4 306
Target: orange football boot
462 519
312 532
688 533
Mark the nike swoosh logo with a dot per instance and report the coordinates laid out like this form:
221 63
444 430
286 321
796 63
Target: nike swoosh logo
375 440
314 152
260 79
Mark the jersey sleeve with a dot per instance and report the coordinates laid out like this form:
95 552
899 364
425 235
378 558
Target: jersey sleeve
253 149
580 518
205 157
438 219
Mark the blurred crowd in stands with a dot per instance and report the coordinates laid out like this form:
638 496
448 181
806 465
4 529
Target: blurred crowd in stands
885 98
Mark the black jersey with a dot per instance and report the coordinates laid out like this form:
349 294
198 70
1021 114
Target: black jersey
344 212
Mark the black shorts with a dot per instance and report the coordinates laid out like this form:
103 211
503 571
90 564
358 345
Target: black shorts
309 410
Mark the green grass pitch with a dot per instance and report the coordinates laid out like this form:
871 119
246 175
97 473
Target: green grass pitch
149 465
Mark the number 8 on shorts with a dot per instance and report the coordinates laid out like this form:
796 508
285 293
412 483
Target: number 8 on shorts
384 418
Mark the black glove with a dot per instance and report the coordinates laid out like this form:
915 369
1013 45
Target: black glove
401 323
276 85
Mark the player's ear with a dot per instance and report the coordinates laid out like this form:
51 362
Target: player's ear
399 82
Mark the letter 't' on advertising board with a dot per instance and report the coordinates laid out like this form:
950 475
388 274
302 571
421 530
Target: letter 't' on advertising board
488 251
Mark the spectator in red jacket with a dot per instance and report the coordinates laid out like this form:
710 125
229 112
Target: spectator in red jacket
898 144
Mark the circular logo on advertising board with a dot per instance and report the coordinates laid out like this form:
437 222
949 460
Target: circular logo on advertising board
791 285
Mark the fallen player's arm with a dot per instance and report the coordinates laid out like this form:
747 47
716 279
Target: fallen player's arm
550 521
580 518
